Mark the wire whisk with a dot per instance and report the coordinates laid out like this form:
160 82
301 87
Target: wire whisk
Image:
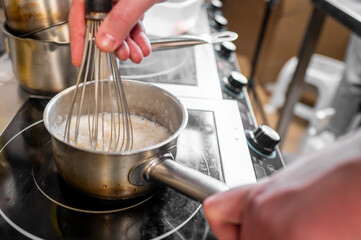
99 110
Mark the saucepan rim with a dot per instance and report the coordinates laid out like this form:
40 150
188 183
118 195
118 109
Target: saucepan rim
171 138
8 33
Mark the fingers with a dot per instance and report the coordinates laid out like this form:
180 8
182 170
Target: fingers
225 231
121 31
136 46
77 28
136 54
123 51
141 39
226 206
119 23
224 212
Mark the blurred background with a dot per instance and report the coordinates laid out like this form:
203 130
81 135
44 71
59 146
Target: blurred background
283 36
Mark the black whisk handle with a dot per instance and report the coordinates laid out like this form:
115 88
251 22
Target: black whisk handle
98 6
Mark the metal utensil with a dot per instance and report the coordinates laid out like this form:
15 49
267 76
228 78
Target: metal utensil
96 67
191 40
60 33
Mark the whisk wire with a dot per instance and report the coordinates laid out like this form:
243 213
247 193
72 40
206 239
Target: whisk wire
117 107
96 100
99 78
113 135
103 75
90 49
80 78
127 143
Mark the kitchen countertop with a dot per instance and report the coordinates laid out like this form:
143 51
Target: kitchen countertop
12 97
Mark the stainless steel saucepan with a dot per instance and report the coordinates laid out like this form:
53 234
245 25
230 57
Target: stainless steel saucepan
41 66
135 173
25 16
41 61
59 33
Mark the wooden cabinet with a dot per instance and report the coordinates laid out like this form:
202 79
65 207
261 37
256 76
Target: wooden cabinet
286 27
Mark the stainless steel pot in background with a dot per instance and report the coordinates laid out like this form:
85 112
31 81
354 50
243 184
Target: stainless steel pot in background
42 59
41 66
2 37
2 42
135 173
24 16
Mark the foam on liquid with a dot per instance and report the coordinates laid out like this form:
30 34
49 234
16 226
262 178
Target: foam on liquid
145 132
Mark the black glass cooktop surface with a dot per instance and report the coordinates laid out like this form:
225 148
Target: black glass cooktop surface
35 203
175 66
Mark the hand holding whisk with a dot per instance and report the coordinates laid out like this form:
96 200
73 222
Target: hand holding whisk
99 109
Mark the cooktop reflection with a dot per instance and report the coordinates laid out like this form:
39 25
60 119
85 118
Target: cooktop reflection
175 66
36 203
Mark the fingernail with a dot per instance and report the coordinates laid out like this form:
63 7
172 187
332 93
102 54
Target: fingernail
107 41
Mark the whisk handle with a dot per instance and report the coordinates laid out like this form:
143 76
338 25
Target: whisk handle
98 6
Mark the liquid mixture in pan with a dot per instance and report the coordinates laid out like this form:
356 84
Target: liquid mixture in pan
145 132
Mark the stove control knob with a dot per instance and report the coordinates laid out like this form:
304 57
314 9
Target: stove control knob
216 5
226 49
219 22
264 139
235 82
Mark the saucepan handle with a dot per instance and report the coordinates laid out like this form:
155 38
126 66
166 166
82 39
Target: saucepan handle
180 41
184 179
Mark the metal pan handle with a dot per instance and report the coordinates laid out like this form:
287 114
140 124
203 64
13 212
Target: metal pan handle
186 180
180 41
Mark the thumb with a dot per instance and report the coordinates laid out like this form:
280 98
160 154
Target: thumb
115 28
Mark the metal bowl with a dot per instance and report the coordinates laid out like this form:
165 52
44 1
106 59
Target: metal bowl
40 66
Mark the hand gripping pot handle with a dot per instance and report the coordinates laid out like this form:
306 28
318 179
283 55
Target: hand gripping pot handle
186 180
